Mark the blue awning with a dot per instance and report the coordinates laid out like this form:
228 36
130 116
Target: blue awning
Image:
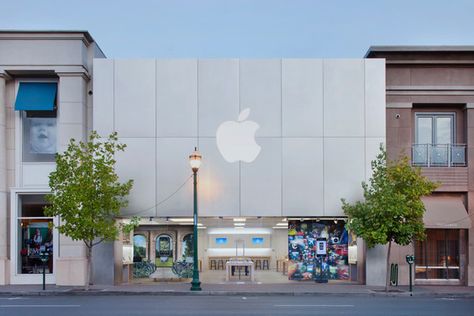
36 96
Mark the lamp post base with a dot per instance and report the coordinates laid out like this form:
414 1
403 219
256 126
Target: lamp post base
195 285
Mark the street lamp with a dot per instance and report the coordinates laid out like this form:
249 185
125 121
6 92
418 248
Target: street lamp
195 162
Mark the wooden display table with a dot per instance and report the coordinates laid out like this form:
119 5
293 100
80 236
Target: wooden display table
240 262
279 264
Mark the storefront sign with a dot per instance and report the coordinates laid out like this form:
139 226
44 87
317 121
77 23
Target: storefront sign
352 254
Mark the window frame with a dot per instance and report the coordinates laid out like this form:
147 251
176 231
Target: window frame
433 115
21 278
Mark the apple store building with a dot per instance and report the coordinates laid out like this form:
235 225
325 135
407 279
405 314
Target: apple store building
282 141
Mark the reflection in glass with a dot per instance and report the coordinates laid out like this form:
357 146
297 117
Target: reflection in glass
424 130
437 257
139 248
444 130
187 248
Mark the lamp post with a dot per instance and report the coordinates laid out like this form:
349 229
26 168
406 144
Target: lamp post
195 162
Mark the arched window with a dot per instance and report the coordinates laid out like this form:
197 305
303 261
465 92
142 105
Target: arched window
164 250
187 248
139 248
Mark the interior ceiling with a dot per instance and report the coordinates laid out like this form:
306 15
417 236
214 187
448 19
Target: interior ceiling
216 222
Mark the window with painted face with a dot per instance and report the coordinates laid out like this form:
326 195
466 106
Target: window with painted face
39 136
43 135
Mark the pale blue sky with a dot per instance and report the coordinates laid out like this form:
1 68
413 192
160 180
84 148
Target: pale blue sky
249 28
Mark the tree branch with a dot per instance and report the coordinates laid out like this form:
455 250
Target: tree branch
94 244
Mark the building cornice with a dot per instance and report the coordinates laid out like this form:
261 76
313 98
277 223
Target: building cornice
47 35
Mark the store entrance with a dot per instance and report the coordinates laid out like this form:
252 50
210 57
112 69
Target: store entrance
34 239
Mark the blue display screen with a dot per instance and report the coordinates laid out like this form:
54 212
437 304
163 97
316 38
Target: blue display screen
257 240
221 241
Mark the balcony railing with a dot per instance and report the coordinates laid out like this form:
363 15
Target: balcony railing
438 155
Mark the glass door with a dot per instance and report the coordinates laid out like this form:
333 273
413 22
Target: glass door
34 239
437 257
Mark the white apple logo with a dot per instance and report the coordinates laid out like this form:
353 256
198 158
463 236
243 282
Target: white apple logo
236 140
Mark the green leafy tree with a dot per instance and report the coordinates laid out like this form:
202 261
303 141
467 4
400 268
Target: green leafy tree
86 193
392 210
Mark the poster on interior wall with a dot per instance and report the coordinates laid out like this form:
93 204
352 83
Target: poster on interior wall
302 249
221 240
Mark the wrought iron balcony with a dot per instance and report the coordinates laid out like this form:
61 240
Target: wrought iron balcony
438 155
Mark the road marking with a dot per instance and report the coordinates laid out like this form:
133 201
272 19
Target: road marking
10 298
313 305
37 306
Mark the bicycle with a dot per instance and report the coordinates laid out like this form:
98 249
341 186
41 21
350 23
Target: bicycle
183 269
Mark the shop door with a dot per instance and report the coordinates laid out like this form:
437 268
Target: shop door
33 237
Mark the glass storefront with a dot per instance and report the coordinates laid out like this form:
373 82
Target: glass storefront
437 257
35 236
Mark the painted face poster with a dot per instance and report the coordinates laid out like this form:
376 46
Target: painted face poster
42 137
303 245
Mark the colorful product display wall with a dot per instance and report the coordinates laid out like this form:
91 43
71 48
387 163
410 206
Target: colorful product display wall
302 240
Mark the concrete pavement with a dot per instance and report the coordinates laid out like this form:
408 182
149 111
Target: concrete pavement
245 289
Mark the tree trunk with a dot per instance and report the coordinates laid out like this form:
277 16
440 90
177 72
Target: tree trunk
387 277
89 267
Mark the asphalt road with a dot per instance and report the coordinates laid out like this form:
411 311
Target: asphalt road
234 305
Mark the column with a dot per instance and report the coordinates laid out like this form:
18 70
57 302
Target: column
4 218
470 193
71 266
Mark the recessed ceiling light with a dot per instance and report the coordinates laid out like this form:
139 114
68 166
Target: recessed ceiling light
282 224
239 224
239 227
280 227
239 219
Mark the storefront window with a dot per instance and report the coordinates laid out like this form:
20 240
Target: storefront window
35 236
164 251
305 262
139 248
437 257
187 248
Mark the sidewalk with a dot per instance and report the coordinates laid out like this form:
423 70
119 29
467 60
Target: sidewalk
237 289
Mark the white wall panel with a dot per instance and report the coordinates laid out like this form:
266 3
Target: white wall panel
176 84
37 175
218 94
103 96
261 181
137 163
218 182
372 149
260 90
344 98
303 177
302 97
344 170
135 98
172 171
375 97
